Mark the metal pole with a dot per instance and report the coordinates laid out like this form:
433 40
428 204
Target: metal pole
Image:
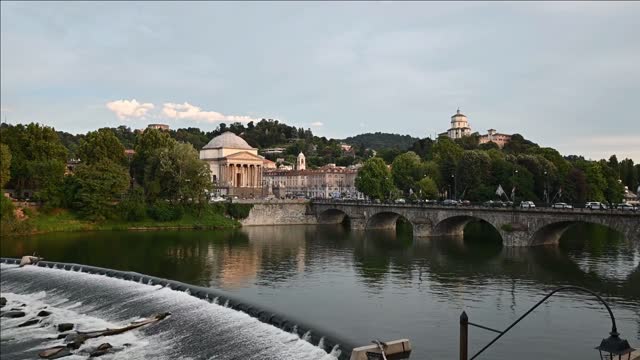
464 338
614 328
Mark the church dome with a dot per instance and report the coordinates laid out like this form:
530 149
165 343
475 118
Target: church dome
228 140
458 114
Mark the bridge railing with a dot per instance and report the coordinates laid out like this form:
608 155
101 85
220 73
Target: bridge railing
542 207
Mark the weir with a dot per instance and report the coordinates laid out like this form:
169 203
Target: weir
204 321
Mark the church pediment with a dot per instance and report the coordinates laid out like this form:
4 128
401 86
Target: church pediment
244 155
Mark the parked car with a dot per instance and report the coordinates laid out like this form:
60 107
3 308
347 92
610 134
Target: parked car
594 205
492 203
450 202
400 201
527 205
465 203
626 207
217 199
562 205
431 202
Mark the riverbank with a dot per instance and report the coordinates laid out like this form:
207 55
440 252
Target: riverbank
61 220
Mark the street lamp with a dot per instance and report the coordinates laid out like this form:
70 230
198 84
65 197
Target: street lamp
455 186
546 190
609 348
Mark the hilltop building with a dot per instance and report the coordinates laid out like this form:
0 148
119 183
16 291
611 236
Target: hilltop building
236 167
460 127
164 127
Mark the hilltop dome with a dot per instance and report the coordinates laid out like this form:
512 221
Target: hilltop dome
228 140
458 114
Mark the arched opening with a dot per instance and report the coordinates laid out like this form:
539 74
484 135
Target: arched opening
575 233
333 216
391 222
474 232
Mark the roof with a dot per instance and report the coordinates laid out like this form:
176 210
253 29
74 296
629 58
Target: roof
228 140
458 114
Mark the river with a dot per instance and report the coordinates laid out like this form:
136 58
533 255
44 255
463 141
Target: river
388 285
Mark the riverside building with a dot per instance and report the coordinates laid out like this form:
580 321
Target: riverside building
327 182
236 168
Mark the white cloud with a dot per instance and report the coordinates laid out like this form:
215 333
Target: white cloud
128 109
317 124
188 111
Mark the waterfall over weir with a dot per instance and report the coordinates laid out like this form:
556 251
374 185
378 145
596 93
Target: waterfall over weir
199 327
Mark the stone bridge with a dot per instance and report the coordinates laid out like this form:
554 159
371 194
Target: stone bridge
518 227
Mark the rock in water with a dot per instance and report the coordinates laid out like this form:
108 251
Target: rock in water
101 350
3 301
44 313
104 346
65 327
13 314
29 322
74 341
55 352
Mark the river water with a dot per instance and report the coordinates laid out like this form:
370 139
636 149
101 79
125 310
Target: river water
388 285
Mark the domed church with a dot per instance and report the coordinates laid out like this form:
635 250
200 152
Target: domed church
236 167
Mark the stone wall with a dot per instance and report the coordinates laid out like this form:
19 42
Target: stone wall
280 213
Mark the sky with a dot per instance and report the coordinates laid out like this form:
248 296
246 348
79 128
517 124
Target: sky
562 74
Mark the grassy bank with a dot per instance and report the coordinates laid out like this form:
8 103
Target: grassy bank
61 220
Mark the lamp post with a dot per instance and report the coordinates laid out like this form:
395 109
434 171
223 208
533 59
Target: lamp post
455 186
546 190
609 347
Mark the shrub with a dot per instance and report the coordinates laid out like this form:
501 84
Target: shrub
164 211
239 211
6 208
132 207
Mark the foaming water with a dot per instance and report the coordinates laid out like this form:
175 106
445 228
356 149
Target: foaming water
196 328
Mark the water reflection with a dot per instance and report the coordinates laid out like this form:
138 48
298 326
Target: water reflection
271 256
335 277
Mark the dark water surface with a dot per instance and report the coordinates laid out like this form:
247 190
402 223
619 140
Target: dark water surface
379 285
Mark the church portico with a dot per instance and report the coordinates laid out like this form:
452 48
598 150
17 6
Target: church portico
236 167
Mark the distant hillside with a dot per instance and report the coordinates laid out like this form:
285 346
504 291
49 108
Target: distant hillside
378 141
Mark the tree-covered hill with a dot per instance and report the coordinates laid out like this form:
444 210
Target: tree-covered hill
379 141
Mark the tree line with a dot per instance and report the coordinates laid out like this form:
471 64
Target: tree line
161 180
465 169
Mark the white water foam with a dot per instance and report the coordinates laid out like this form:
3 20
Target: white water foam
197 328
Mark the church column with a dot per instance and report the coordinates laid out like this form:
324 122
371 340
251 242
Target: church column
254 176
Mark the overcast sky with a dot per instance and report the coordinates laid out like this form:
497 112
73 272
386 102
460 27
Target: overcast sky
564 75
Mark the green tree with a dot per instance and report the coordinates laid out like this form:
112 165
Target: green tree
101 145
447 154
374 179
38 159
176 173
148 143
427 188
5 164
473 175
469 142
100 186
406 170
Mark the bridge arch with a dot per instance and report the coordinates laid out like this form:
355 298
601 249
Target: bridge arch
550 234
333 216
385 220
454 225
